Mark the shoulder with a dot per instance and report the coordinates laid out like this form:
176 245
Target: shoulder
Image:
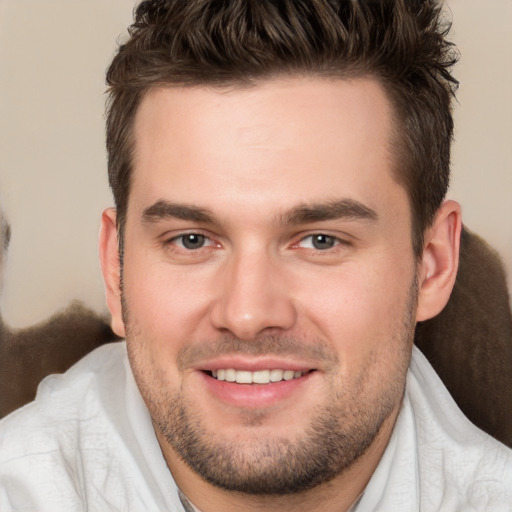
45 440
86 441
62 400
457 461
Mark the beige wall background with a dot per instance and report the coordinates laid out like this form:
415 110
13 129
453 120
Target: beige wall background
53 186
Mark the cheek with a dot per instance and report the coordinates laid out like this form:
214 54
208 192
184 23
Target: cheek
361 309
160 321
164 305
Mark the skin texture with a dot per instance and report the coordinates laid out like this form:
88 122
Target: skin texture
258 172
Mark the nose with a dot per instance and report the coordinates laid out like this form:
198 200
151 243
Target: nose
252 296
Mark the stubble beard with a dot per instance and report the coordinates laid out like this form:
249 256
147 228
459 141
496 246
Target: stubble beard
340 431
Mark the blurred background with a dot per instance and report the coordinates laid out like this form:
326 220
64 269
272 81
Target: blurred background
53 181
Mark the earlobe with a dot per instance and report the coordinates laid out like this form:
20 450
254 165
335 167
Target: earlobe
111 268
439 262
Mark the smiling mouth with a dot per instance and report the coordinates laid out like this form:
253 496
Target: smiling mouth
256 377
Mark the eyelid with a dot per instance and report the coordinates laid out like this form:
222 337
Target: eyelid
208 241
339 240
172 238
336 241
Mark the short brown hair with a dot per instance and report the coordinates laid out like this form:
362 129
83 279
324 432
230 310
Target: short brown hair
400 43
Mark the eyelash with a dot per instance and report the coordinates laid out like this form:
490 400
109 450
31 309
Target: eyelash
333 239
182 237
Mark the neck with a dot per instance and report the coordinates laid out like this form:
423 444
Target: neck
337 495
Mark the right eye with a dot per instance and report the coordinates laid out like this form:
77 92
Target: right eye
191 241
319 242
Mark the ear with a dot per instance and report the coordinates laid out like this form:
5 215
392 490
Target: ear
111 269
440 261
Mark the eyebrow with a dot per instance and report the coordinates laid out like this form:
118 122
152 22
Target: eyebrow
164 210
341 209
303 214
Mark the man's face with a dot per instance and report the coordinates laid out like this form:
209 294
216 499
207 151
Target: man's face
266 242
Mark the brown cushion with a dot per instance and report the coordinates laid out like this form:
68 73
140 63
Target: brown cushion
469 343
29 355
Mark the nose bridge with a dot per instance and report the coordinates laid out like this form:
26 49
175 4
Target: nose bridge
252 295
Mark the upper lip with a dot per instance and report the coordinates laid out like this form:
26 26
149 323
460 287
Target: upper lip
253 364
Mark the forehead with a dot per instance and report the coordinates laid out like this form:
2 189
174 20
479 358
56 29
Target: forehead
281 141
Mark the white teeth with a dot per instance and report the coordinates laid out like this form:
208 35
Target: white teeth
257 377
276 375
230 375
261 377
243 377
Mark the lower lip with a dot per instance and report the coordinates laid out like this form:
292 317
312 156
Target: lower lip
254 396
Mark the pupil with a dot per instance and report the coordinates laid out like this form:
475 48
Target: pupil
193 241
323 242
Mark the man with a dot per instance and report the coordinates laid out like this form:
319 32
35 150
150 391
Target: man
279 172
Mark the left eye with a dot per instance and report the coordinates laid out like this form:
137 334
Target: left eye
320 242
192 241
